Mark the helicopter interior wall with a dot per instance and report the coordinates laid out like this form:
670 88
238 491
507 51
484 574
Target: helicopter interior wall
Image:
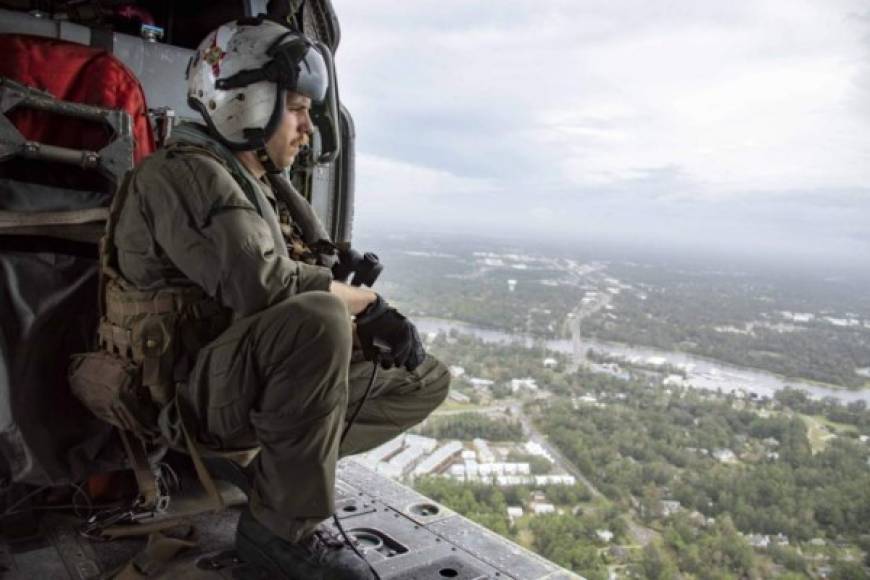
48 289
45 280
46 303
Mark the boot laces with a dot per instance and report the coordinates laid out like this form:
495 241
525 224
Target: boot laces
322 542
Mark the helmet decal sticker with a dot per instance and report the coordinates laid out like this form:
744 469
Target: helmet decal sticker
213 56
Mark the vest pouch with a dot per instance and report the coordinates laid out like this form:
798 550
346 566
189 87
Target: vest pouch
110 387
152 337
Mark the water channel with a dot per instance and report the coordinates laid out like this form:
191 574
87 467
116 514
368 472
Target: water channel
701 372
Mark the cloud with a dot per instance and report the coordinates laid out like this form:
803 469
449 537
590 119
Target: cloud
389 188
505 114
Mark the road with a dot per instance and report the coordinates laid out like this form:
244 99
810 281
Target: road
641 534
573 322
539 438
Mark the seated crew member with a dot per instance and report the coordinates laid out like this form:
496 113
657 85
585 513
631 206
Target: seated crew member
275 366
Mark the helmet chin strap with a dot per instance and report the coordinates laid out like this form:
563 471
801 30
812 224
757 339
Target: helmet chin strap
266 161
258 138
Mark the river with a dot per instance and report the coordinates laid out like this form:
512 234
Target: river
701 372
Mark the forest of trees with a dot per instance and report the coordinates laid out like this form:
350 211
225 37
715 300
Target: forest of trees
650 447
468 426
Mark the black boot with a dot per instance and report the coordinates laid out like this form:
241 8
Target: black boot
320 556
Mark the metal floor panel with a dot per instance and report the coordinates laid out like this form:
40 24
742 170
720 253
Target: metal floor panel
405 535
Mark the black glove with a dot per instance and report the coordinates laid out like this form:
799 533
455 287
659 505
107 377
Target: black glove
389 337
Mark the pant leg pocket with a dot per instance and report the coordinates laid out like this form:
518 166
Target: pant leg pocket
226 387
229 423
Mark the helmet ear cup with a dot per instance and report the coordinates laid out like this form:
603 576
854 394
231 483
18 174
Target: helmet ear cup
239 76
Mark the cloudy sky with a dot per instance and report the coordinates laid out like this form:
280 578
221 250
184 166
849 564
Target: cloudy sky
742 124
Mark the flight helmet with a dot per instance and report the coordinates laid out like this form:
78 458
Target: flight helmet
240 74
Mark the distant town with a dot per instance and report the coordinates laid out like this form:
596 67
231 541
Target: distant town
632 421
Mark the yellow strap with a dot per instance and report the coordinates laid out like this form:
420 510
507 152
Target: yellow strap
205 477
145 478
138 529
161 304
156 555
115 337
12 220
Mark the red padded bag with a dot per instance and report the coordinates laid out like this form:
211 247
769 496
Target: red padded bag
76 73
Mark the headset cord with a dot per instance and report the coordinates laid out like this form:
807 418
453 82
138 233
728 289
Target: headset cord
347 427
362 402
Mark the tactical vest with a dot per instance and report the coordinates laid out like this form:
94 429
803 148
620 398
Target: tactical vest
148 342
149 339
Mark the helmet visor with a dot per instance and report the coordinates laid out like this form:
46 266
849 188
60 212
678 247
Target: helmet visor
301 68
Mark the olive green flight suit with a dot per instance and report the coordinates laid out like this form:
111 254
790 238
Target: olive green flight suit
281 376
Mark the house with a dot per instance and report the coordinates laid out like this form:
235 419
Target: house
563 479
550 363
538 496
478 383
604 535
586 401
527 383
459 397
514 512
542 508
780 539
760 541
724 456
669 507
456 371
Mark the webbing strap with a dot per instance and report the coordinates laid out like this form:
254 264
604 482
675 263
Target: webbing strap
78 225
202 473
22 219
160 304
139 529
145 478
115 337
159 551
191 301
107 244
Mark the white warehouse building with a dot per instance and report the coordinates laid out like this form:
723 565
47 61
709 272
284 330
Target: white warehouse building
439 458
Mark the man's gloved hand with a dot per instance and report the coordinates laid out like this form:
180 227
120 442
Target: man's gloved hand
381 325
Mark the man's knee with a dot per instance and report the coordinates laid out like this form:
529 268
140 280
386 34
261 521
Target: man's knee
319 319
435 378
305 356
327 318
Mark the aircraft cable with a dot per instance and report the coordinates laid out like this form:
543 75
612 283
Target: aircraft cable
83 493
10 509
348 541
362 402
76 506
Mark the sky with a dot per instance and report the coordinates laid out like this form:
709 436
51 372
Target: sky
739 126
